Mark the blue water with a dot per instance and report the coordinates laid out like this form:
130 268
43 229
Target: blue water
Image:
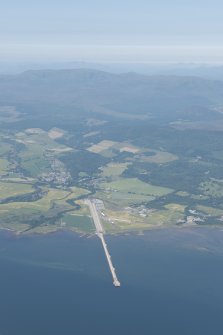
60 284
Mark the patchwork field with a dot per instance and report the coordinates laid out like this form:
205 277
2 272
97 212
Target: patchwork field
40 138
139 184
106 146
51 205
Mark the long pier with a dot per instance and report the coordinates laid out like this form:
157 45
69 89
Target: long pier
100 233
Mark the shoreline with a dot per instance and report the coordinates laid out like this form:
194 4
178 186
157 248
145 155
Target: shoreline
206 240
113 234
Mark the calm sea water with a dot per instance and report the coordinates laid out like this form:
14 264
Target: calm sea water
172 284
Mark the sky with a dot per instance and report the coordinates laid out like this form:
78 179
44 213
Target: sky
112 31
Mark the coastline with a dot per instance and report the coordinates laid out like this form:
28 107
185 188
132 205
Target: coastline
63 230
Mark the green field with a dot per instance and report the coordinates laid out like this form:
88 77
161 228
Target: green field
51 196
79 223
4 164
52 203
4 148
210 210
114 169
8 189
38 148
120 200
145 178
135 186
159 157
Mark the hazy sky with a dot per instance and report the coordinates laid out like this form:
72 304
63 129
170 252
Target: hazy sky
115 30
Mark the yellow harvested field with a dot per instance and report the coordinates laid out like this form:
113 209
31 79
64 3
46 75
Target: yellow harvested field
131 149
55 133
101 146
175 207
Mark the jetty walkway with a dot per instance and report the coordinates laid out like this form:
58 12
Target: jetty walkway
100 233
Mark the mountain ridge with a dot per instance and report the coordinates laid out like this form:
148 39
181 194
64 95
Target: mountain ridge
94 90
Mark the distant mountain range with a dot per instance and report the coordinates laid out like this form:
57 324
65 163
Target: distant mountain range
208 71
116 95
